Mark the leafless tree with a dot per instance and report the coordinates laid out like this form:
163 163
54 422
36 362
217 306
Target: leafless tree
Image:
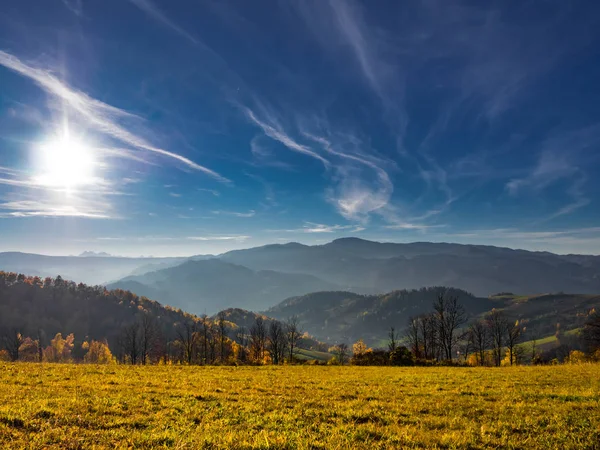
514 332
392 340
222 335
205 325
187 337
293 335
450 315
148 335
478 334
429 336
258 338
341 352
276 341
413 336
497 325
131 345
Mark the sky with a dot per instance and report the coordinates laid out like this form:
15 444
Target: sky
147 127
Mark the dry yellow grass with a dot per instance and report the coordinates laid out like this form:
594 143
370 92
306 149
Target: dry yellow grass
81 406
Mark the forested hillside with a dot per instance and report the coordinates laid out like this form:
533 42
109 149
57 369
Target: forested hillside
56 320
345 316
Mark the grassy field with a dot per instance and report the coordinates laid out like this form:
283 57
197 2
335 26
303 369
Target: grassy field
82 406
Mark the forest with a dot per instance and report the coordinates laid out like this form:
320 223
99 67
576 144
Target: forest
55 320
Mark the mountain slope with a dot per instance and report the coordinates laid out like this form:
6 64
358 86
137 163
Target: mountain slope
211 285
345 316
379 267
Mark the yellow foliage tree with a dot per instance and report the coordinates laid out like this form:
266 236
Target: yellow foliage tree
59 349
359 348
576 357
97 353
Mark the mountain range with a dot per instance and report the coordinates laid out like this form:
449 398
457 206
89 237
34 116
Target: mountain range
261 277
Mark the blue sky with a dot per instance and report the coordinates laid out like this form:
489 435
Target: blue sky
140 127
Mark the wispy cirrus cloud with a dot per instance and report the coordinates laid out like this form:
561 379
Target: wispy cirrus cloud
273 129
311 227
562 158
154 12
248 214
49 208
237 238
100 116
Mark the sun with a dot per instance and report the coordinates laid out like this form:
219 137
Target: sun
66 162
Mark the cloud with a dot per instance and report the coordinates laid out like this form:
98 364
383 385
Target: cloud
237 238
311 227
211 191
153 11
75 6
33 208
173 194
250 213
100 116
272 129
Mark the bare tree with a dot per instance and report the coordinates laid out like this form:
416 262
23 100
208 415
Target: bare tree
392 343
222 334
187 337
429 336
276 341
450 315
413 336
258 338
204 323
293 335
341 352
148 335
497 325
478 334
514 331
131 345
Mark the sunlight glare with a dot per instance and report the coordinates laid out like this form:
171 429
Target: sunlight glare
67 162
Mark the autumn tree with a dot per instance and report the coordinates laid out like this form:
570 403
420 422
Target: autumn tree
97 352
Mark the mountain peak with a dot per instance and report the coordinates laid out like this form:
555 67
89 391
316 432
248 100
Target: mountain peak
90 254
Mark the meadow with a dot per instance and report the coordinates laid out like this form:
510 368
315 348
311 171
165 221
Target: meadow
307 407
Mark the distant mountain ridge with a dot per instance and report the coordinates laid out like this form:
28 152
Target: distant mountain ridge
260 277
211 285
382 267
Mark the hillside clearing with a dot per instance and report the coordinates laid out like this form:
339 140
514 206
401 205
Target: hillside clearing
80 406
